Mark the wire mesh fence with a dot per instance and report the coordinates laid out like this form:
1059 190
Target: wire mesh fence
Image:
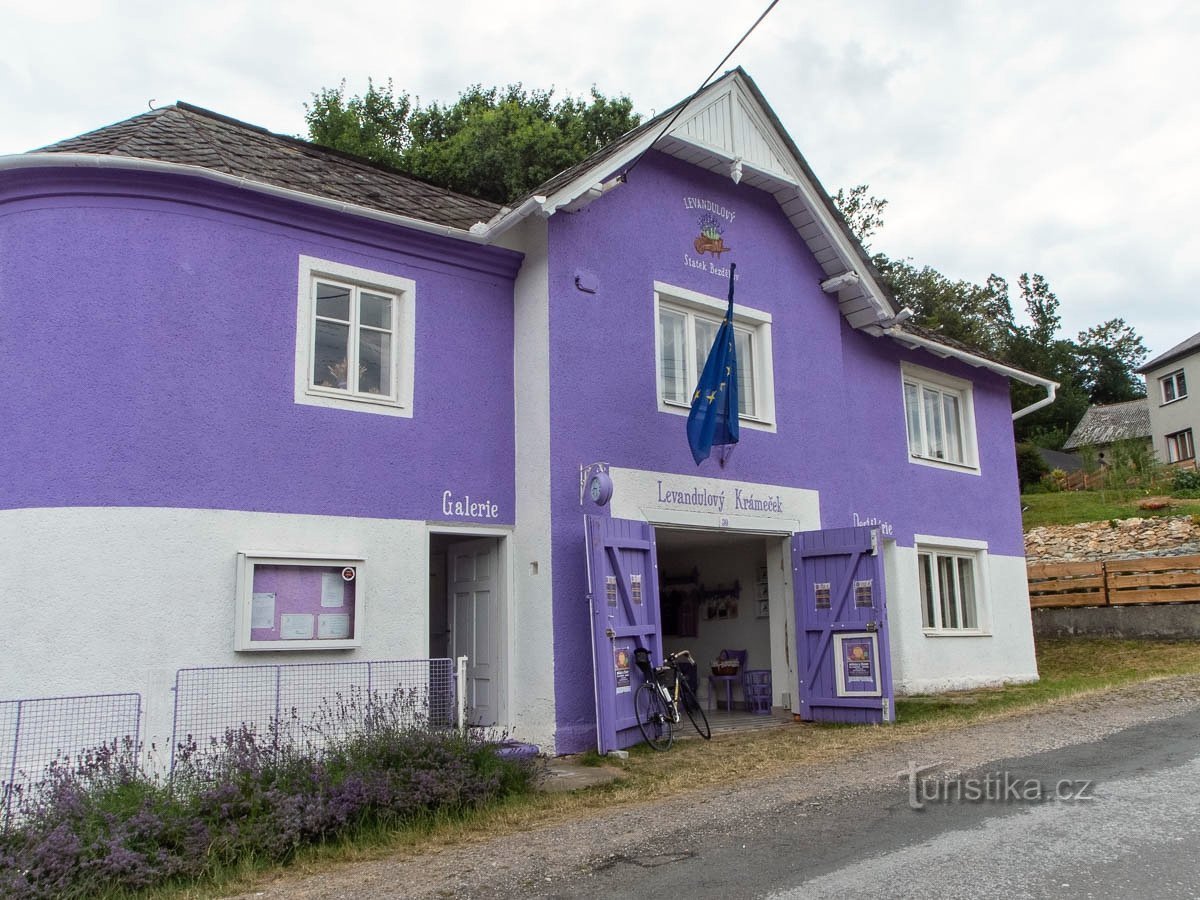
308 704
39 731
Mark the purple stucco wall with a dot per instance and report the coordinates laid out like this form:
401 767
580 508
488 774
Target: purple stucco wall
838 395
148 322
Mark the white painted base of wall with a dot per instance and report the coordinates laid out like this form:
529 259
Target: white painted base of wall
925 663
99 600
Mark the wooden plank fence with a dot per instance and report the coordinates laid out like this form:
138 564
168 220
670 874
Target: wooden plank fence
1115 582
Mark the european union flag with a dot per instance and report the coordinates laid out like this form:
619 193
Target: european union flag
713 420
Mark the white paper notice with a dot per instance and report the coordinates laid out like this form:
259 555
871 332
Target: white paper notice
296 626
262 611
333 626
333 589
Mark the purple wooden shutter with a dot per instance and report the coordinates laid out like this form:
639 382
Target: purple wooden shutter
841 625
623 579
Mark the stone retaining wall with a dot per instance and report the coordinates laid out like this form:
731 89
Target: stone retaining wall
1122 538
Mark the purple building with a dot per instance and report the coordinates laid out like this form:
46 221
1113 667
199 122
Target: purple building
274 402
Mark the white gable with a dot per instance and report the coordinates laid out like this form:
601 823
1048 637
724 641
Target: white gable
728 129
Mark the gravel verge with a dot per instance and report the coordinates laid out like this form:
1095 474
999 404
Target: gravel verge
530 863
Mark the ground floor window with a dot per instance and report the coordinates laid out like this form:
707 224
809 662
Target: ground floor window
1180 446
949 586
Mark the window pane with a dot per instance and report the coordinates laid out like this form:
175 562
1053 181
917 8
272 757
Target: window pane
333 301
947 582
672 327
745 371
912 408
375 310
1189 448
1180 384
953 428
935 437
330 354
706 333
928 607
375 362
966 592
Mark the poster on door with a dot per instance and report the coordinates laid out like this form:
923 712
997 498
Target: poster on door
623 659
857 659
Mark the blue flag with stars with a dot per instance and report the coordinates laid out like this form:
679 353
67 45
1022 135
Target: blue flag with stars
713 421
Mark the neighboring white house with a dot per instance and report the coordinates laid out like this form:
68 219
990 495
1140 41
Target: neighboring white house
1174 415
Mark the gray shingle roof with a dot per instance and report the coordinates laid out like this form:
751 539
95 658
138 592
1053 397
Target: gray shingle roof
1115 422
189 135
1177 352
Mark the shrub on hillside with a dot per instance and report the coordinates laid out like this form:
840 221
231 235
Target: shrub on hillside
1030 465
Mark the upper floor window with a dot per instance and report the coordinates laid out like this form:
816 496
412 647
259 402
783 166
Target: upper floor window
1180 446
940 416
686 324
1174 386
354 338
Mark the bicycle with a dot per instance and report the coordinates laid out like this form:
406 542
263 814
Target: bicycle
660 697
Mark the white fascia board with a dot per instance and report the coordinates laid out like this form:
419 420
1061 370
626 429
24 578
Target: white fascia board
979 362
130 163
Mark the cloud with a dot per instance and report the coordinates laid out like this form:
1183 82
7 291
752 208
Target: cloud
1011 137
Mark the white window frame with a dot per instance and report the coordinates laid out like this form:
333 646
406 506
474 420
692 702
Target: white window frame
246 563
1174 380
403 290
1177 441
932 380
758 323
957 548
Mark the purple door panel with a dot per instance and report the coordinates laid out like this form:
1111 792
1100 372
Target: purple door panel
623 591
841 624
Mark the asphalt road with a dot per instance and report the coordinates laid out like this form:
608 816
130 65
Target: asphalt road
1119 817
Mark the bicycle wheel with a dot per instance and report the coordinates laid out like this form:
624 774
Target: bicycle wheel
653 721
695 712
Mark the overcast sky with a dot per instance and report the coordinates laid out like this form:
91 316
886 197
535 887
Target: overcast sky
1052 137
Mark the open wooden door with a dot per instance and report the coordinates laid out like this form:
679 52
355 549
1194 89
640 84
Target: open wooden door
623 592
841 626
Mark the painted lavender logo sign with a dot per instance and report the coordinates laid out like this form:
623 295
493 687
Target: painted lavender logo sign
712 221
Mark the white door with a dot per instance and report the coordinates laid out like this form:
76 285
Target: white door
473 585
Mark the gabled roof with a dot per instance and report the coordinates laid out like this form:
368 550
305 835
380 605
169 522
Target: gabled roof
728 128
188 135
1114 422
1188 347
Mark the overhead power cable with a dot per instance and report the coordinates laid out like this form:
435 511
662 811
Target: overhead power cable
703 85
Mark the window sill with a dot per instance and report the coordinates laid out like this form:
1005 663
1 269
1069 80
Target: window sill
1169 402
680 409
353 402
965 468
955 632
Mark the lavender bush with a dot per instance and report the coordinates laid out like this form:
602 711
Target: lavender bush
100 825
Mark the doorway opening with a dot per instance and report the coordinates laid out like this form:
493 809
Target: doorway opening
715 601
466 614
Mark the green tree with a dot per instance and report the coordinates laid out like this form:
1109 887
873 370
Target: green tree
862 211
494 143
1108 356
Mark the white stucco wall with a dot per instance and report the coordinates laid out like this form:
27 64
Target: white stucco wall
928 663
99 600
531 658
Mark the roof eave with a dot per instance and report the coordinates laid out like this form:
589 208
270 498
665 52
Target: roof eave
136 164
908 339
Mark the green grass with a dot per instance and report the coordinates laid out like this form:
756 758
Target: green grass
1068 507
1067 666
